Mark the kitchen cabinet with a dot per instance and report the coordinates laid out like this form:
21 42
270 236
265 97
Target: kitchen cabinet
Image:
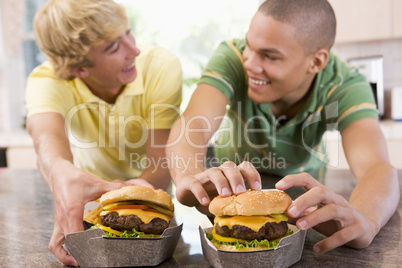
337 159
18 148
363 20
21 157
392 131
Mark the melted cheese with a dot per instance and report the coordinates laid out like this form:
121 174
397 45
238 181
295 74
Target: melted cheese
226 239
108 229
145 216
253 222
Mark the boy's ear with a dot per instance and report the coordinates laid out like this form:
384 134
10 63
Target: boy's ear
80 72
319 60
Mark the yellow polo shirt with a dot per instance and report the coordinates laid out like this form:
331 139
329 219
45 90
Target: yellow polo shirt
109 139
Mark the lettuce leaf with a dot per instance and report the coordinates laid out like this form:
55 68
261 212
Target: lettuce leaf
252 244
130 234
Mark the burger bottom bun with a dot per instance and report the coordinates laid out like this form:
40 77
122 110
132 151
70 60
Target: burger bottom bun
137 192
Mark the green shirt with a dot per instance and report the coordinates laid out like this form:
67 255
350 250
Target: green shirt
250 131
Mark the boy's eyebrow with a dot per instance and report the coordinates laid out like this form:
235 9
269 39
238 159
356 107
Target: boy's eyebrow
270 50
267 50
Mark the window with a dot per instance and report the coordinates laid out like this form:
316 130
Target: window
32 55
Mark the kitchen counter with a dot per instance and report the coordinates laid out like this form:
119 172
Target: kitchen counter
26 224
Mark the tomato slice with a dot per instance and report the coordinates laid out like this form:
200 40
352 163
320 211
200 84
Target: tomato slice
146 206
143 207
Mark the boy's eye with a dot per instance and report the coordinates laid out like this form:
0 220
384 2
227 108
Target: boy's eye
269 57
115 48
111 47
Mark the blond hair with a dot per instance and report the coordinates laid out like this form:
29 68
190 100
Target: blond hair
66 30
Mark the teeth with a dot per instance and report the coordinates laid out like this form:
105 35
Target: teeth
258 82
129 67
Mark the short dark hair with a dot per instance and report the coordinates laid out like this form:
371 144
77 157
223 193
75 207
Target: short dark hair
314 20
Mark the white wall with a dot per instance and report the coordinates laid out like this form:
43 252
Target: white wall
3 104
12 76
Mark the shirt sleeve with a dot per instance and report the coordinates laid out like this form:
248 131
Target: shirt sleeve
163 89
355 101
225 70
45 93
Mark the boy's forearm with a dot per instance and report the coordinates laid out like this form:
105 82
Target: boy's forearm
51 144
186 154
53 153
376 195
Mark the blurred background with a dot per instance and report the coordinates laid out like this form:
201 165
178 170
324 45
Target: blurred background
369 38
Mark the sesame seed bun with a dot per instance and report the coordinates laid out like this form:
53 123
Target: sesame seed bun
251 203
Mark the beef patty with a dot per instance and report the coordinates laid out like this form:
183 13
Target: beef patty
121 223
268 231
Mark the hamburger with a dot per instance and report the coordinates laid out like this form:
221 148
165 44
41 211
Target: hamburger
253 220
133 211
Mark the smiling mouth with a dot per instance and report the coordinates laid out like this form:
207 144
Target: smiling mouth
258 82
130 67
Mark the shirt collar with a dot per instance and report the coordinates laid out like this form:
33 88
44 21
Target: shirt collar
134 88
318 87
310 105
308 108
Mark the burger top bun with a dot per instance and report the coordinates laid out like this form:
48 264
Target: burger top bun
140 193
251 203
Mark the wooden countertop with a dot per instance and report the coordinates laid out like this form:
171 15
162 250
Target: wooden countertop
26 225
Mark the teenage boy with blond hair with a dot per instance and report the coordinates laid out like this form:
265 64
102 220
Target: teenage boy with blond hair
98 93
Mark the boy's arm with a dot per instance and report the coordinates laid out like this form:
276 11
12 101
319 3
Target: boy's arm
186 150
71 187
156 167
376 194
373 201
